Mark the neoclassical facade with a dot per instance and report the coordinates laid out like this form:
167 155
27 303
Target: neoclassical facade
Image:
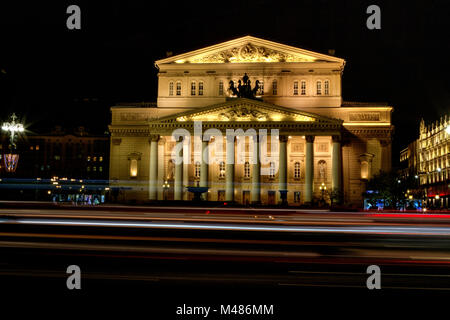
317 146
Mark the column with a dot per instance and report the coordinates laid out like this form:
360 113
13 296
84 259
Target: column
204 168
229 168
161 162
186 162
153 167
336 169
178 181
309 168
256 172
282 169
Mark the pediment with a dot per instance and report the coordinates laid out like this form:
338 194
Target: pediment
249 50
246 110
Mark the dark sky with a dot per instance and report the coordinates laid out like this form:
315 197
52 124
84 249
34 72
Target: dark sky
60 76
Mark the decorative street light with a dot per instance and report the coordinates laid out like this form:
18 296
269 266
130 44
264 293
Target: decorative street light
323 188
11 159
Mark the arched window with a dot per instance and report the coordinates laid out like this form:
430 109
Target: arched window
297 170
200 88
326 87
178 88
261 88
193 88
246 169
295 88
197 170
222 169
221 88
303 88
319 87
274 87
171 88
272 170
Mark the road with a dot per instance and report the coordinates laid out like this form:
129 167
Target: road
200 255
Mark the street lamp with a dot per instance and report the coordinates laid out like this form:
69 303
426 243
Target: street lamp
12 159
323 188
166 187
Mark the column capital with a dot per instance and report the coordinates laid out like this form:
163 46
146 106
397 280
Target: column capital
336 138
310 139
283 138
153 137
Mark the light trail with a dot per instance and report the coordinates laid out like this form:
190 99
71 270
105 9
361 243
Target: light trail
425 230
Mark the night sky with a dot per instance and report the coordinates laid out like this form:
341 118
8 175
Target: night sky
51 75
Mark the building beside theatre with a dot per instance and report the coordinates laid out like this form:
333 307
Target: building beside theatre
324 147
428 160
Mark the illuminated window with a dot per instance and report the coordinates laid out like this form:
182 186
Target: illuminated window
100 159
88 169
193 88
247 169
133 168
37 147
88 158
171 88
100 169
31 148
274 87
261 88
295 88
303 88
178 88
297 170
94 168
222 169
200 88
95 158
197 170
326 87
272 170
220 88
319 88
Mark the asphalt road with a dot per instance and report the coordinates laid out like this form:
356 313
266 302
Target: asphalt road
162 258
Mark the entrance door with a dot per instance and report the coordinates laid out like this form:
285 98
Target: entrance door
221 195
246 197
271 198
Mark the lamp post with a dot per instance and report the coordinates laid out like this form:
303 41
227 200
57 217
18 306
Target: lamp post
166 187
12 159
323 188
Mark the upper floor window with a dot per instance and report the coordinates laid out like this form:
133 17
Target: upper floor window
297 170
274 87
193 88
221 88
247 169
197 170
200 88
178 88
171 88
303 87
222 169
272 170
295 88
261 88
319 88
326 87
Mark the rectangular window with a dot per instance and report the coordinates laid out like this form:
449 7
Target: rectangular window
327 87
295 88
178 88
171 88
319 88
133 168
247 170
192 88
261 88
220 88
303 88
274 87
200 88
297 196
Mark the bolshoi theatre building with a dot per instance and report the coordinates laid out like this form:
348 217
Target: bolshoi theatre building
318 148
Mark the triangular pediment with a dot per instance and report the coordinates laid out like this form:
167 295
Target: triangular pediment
246 110
249 49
